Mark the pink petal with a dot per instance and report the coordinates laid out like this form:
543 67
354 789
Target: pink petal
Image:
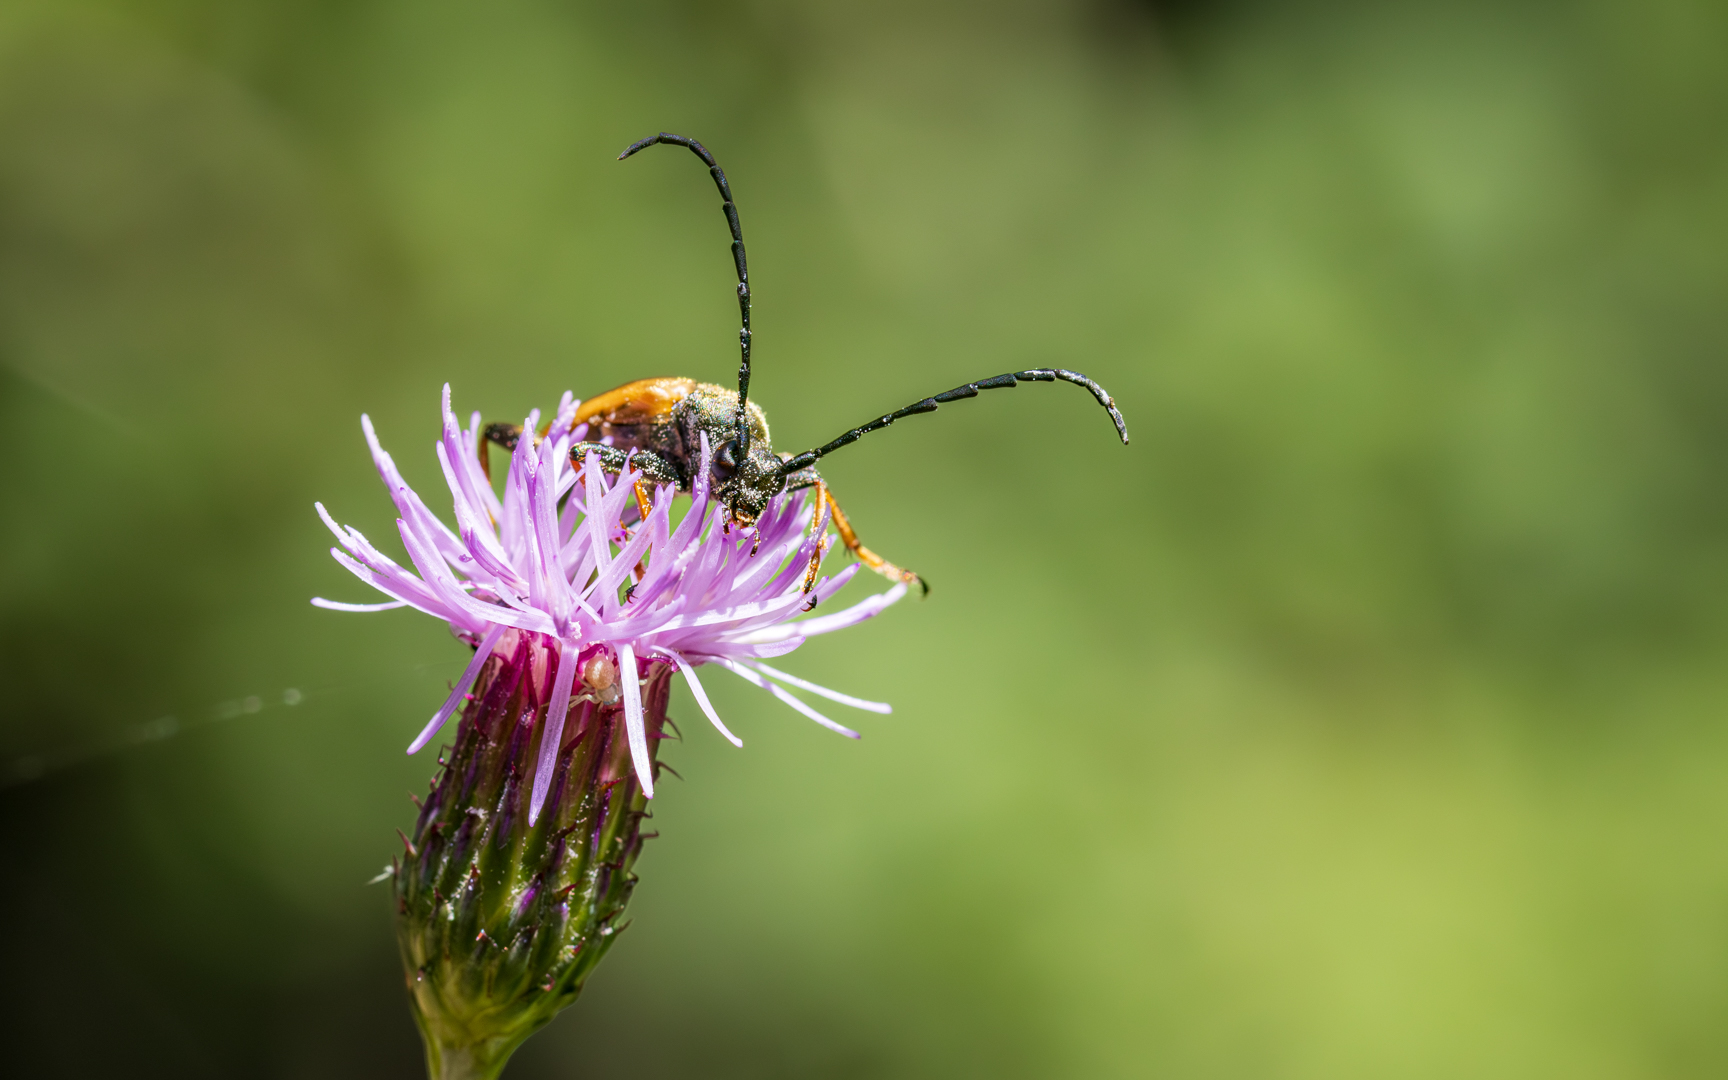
553 733
832 695
701 697
338 605
633 724
469 674
751 677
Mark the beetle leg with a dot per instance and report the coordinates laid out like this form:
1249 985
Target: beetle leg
818 526
863 554
661 470
643 509
652 466
612 459
505 435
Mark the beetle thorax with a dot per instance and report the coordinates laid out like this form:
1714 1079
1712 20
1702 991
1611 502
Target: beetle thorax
745 486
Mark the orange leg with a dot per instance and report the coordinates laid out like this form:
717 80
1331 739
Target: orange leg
818 526
643 509
863 554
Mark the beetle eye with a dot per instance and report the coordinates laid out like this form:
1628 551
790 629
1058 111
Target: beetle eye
729 454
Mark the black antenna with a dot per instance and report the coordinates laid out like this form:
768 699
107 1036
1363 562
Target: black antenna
731 210
930 404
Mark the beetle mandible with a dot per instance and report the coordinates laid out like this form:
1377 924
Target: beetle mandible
657 424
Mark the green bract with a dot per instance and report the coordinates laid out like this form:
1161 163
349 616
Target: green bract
500 921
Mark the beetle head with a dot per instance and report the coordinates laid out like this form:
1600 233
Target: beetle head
748 485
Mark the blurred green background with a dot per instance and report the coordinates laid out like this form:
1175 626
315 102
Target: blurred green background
1364 718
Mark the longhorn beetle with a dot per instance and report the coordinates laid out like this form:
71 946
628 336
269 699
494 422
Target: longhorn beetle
658 423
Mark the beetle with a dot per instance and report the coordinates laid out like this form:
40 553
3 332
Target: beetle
657 424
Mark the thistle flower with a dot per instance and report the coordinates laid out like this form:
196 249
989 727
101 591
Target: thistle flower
579 608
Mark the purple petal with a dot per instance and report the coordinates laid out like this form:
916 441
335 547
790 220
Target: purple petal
633 724
832 695
701 697
341 533
607 582
338 605
751 677
466 479
477 535
554 729
827 624
444 585
547 585
469 674
401 585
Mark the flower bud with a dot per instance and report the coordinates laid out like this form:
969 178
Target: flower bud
499 920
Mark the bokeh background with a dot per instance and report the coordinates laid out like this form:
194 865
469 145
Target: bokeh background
1364 718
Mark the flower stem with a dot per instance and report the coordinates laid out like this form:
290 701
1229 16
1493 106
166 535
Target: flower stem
484 1060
